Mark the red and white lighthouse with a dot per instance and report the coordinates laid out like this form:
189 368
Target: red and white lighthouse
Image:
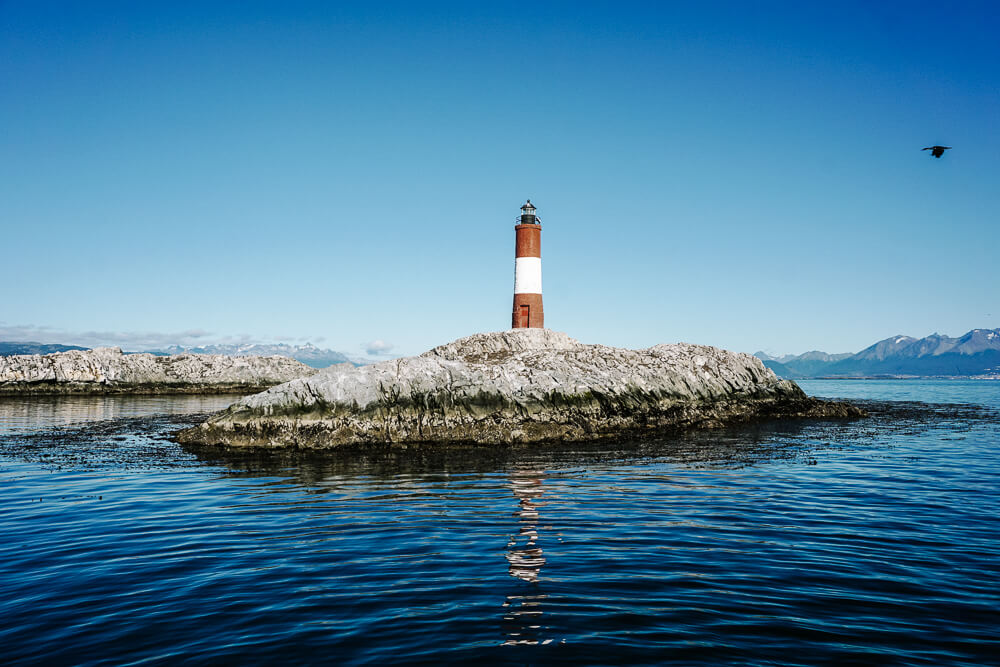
528 271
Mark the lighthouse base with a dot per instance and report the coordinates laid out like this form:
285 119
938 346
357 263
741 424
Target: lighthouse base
527 313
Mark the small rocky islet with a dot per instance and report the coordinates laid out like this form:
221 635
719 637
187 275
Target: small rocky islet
108 370
516 386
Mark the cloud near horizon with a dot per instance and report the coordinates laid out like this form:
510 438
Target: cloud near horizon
129 340
378 347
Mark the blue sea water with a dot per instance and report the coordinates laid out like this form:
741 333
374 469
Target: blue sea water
875 541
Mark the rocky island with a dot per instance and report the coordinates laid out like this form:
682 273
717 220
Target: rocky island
516 386
107 370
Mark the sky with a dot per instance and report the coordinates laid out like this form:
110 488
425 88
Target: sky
746 175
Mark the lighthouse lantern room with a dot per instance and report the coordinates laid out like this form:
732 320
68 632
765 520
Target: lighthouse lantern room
528 216
528 271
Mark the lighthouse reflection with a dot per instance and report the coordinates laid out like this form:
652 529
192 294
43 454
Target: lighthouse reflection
525 558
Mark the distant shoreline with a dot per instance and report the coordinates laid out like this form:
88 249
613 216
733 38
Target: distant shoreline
900 377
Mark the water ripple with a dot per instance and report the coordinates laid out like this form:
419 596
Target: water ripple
865 542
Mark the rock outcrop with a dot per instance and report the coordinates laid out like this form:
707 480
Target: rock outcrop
108 370
523 385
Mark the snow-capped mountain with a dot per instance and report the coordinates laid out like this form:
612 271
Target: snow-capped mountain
975 353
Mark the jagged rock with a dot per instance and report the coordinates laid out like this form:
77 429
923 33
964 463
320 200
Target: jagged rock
109 370
523 385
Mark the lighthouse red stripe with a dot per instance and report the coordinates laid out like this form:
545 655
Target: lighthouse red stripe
529 241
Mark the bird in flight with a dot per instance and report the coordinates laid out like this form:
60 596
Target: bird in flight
936 151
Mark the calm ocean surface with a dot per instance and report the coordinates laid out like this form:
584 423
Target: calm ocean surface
869 542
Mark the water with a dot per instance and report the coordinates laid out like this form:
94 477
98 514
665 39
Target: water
824 543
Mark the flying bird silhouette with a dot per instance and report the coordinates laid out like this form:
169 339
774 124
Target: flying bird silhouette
936 151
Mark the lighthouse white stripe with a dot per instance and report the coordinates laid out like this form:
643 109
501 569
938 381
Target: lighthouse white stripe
528 275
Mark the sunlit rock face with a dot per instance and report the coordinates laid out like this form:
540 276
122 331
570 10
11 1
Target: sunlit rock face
109 370
522 385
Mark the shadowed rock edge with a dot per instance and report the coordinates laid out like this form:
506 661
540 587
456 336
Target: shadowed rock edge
519 386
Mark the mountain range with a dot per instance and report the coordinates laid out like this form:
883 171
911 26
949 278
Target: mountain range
977 353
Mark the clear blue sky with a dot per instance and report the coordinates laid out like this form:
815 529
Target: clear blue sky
743 174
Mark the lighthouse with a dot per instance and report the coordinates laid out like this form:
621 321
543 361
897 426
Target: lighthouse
528 271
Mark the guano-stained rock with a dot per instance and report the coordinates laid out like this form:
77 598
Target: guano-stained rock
108 370
522 385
